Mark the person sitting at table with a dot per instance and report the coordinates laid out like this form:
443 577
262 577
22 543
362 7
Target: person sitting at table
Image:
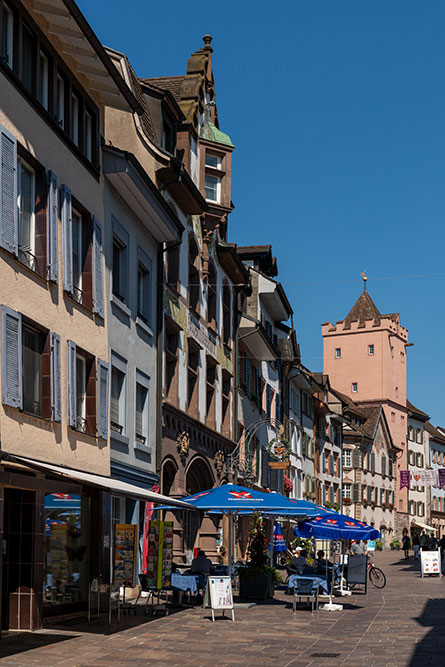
359 548
201 564
320 563
298 561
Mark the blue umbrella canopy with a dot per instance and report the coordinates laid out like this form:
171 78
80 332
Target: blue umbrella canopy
305 508
278 540
336 527
234 499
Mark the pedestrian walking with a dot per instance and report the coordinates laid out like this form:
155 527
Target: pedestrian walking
416 545
424 541
442 543
432 544
406 543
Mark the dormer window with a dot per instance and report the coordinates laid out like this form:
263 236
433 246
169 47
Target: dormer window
168 134
213 164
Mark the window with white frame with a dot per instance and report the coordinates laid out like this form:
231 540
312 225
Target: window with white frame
141 408
338 352
354 387
75 119
78 254
347 491
371 350
346 458
26 199
118 398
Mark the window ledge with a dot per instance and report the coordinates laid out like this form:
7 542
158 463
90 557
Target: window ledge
120 305
142 448
117 437
142 325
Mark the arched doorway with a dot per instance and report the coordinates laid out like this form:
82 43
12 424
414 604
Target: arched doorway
198 529
169 471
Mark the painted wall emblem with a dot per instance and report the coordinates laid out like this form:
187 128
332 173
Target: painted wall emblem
183 444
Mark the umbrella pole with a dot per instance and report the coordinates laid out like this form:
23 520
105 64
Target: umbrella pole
229 559
272 530
343 591
331 606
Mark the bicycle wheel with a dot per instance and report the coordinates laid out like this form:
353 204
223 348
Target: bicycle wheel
376 577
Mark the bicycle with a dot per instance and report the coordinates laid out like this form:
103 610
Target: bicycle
376 576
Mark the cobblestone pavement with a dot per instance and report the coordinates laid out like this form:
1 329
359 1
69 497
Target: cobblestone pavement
400 625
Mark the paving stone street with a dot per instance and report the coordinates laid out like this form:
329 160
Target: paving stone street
400 625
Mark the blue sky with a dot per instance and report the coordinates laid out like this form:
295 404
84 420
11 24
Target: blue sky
337 111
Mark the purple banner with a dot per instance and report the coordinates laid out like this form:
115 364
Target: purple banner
404 479
441 478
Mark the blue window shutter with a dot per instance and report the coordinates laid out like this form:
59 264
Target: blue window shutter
56 394
67 239
98 275
8 191
12 358
71 383
102 399
53 228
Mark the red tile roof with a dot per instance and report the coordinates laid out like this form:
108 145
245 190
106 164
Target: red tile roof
364 309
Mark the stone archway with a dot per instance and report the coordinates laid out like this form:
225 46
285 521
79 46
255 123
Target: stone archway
168 477
200 531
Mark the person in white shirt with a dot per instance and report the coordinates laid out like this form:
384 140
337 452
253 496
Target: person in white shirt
298 561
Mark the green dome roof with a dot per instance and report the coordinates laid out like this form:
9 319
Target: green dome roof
210 132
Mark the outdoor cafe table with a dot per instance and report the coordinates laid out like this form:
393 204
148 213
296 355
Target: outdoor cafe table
187 582
318 581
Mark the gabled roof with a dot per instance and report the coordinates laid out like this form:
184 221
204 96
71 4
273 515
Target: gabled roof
364 309
416 412
434 433
375 414
171 83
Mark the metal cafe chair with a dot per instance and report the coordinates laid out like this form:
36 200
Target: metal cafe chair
305 588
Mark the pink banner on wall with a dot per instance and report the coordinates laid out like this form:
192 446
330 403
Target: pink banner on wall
404 479
147 517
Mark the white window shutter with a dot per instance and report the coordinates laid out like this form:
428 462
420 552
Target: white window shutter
98 277
71 383
102 399
8 191
12 393
67 239
56 393
53 228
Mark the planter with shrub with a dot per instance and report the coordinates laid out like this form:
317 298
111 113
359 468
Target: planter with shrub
256 578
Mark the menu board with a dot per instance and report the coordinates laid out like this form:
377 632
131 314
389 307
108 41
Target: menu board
125 540
59 567
160 554
218 595
430 563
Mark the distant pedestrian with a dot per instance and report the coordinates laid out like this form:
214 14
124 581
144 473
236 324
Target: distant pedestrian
432 544
442 543
406 543
416 545
424 540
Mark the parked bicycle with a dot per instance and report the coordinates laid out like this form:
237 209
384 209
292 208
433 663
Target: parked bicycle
375 574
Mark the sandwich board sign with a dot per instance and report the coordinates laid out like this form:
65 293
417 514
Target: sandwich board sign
218 595
430 563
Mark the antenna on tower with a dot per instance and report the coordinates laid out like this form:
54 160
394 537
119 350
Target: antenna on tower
365 278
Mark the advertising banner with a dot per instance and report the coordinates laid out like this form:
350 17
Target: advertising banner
125 540
424 477
430 563
160 554
404 479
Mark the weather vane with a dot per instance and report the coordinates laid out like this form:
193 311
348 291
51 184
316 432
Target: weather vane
365 278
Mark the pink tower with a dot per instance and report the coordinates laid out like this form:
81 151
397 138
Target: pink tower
365 358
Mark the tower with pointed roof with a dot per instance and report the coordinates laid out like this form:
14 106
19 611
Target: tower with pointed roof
365 358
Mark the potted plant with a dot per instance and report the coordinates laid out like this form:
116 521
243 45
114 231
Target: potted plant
256 578
379 545
395 545
288 485
328 504
336 507
373 504
365 502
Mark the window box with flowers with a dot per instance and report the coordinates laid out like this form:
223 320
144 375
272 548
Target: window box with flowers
372 504
391 506
384 506
365 502
308 495
347 501
288 485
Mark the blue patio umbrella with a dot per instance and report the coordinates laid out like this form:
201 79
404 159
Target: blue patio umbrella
278 540
336 527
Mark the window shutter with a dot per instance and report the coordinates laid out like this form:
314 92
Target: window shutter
67 239
383 465
71 383
8 191
355 493
98 277
248 376
277 408
12 358
102 399
53 228
372 462
265 469
356 458
56 397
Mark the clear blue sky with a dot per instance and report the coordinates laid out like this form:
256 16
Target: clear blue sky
337 111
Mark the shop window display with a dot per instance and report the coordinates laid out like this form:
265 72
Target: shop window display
66 549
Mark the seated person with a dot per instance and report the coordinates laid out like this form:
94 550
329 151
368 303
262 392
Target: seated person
298 561
358 548
201 564
320 563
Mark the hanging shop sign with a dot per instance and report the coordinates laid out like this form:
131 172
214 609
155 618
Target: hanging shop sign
430 563
279 450
218 595
160 554
125 543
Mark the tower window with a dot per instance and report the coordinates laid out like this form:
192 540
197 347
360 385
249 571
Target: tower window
354 387
371 350
338 352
